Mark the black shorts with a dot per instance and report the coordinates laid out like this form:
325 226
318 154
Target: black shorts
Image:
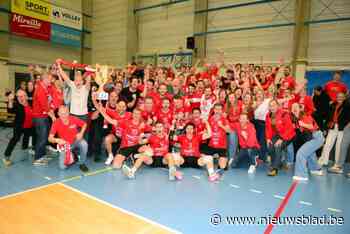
157 161
190 161
127 151
207 150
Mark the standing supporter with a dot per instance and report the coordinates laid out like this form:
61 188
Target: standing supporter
207 102
131 94
321 102
165 114
335 86
338 118
42 109
69 138
279 133
22 124
313 139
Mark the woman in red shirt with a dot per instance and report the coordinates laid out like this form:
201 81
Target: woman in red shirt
306 155
23 123
279 132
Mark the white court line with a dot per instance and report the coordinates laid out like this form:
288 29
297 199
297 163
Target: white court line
196 177
334 210
278 197
26 191
255 191
121 209
234 186
305 203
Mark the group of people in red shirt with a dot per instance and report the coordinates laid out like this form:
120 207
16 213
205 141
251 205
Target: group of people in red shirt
217 116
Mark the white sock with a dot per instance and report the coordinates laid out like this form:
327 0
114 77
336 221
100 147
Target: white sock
210 171
110 155
133 170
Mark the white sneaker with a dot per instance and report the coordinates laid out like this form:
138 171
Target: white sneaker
317 172
252 169
299 178
128 172
109 160
336 170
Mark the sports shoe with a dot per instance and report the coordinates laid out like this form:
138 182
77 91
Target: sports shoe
272 172
214 177
172 172
336 170
109 160
317 172
299 178
128 172
40 162
178 175
83 168
7 162
348 175
31 152
252 169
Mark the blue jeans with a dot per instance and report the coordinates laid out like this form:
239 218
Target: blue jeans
82 146
290 154
232 144
41 126
306 155
251 153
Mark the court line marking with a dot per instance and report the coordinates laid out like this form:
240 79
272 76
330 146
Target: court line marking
305 203
255 191
196 177
282 205
278 196
120 209
334 210
234 186
26 191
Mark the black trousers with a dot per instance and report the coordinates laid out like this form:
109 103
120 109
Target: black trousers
276 151
17 133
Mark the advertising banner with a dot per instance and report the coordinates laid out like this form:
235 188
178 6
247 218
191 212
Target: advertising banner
29 27
65 36
67 18
32 8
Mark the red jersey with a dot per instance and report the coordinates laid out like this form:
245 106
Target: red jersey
246 135
218 137
234 111
288 82
131 133
194 100
57 98
117 130
307 104
159 144
165 118
28 116
199 125
307 119
67 132
333 87
282 126
190 147
42 100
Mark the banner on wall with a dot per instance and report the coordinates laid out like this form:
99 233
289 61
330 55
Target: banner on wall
66 18
32 8
65 36
29 27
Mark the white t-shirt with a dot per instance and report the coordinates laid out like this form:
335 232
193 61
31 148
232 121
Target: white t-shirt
262 110
79 99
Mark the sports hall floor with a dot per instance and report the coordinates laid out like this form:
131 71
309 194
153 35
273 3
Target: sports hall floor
35 200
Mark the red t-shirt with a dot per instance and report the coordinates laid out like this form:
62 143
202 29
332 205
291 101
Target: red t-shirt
42 100
332 88
131 133
234 111
218 137
28 116
246 142
57 98
190 147
159 145
288 82
165 118
308 120
67 132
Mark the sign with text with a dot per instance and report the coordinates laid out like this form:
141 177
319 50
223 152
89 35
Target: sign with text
32 8
29 27
67 18
65 36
